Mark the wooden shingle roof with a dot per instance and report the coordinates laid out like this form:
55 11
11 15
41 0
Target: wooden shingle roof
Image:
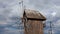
34 14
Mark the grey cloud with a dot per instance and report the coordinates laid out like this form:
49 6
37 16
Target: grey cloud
9 12
40 4
2 5
2 18
13 32
56 2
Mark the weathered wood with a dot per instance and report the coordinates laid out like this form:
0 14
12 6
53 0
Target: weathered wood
34 27
34 14
33 22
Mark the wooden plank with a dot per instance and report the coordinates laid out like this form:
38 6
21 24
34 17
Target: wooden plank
34 27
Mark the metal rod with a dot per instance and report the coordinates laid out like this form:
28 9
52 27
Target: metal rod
50 28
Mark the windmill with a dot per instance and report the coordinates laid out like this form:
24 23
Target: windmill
33 21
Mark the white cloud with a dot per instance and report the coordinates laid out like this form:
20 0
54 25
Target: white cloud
53 14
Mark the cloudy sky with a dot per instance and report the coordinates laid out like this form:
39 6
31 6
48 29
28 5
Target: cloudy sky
11 11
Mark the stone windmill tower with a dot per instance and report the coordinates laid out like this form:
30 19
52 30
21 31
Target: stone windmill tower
33 22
